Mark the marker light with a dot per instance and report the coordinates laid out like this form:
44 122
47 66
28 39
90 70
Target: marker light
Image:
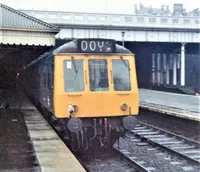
124 106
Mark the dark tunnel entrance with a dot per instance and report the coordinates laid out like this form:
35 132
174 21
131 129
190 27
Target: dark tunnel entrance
12 60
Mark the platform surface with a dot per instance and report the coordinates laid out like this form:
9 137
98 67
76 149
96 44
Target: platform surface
180 105
52 155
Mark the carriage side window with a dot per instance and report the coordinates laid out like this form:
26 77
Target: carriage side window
50 72
45 70
73 75
41 76
98 73
121 75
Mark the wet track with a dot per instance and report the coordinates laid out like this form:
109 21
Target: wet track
17 153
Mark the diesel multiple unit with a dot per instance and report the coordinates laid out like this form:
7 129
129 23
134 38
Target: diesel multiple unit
90 86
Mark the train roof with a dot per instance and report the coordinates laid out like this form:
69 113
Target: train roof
74 47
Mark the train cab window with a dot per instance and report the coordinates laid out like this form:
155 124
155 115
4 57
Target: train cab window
121 75
73 76
98 73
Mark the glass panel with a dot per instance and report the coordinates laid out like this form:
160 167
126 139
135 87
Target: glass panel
128 19
121 75
73 75
186 21
152 20
175 21
140 20
98 73
163 20
45 70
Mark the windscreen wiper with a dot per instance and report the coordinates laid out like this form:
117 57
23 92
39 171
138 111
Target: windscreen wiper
74 65
125 63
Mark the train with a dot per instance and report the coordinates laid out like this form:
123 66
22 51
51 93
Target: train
89 86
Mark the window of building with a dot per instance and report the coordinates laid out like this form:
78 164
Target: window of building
186 21
140 19
128 19
164 20
175 21
152 20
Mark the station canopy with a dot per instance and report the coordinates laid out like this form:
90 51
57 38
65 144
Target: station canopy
22 39
21 29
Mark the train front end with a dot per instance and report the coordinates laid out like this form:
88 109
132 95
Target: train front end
95 89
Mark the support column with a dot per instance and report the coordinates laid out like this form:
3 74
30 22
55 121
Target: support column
158 69
161 69
164 68
153 68
167 68
174 70
182 64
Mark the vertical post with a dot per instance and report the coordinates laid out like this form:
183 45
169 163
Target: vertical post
174 70
182 64
161 68
164 69
158 69
167 69
153 68
178 69
123 33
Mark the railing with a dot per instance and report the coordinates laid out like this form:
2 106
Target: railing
125 20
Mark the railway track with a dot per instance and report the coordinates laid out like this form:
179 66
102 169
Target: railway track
106 160
150 136
177 153
97 160
131 159
179 145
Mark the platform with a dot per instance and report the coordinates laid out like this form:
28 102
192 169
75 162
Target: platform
50 153
180 105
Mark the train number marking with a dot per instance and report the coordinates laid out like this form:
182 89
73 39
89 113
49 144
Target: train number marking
92 45
95 46
84 45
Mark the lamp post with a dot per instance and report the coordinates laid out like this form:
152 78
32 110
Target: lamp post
123 33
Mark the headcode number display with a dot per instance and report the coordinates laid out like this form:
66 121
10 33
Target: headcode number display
96 46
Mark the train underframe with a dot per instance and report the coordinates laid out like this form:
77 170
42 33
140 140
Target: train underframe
86 133
89 132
